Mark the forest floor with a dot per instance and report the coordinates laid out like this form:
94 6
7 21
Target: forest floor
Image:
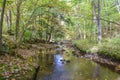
12 67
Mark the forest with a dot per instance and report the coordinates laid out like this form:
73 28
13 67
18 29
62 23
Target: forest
58 39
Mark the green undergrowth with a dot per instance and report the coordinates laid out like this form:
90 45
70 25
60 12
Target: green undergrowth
85 45
109 47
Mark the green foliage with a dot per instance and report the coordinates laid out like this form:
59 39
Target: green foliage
111 48
84 45
28 35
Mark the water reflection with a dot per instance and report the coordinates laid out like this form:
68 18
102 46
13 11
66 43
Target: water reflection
57 60
96 74
78 69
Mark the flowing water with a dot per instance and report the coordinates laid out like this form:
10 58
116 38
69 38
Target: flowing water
52 68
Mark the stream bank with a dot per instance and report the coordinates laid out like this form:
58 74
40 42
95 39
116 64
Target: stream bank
55 66
113 64
13 67
42 62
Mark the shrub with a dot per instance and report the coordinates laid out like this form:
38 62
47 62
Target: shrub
111 48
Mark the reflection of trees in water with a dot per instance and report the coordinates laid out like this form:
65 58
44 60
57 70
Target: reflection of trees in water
78 69
46 59
96 74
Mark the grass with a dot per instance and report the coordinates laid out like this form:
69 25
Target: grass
85 45
109 47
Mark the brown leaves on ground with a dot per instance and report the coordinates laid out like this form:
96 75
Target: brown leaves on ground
11 67
25 53
14 68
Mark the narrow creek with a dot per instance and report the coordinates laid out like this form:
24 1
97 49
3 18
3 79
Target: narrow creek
52 67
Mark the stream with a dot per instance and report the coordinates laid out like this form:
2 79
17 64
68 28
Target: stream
54 67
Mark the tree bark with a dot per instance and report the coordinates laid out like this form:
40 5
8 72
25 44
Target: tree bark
97 19
99 23
84 31
9 21
17 19
1 23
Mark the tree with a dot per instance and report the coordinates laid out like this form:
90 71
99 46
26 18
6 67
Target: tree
1 23
19 2
97 18
99 23
9 20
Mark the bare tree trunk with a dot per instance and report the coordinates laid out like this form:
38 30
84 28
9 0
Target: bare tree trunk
84 31
80 33
17 19
94 18
34 30
106 29
17 24
99 23
97 20
49 37
95 33
1 23
117 3
9 21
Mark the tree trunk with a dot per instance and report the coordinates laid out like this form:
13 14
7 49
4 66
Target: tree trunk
94 18
34 30
97 20
49 37
1 23
9 21
106 29
99 23
84 31
17 19
117 3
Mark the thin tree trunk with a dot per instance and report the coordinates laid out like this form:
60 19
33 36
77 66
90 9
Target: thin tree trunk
17 19
84 31
80 33
117 2
107 25
97 19
99 23
1 23
9 21
34 29
94 32
94 18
